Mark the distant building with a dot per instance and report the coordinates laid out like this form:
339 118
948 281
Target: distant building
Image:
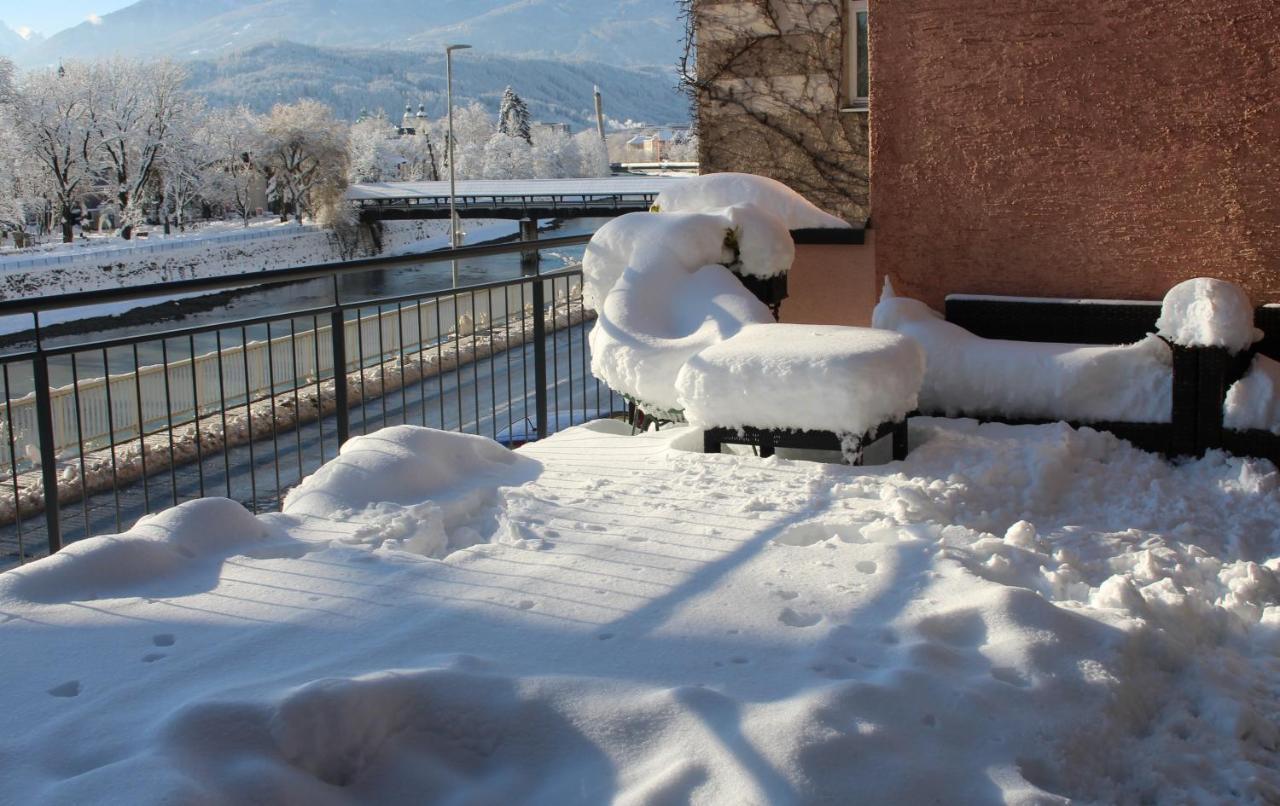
656 146
411 124
559 128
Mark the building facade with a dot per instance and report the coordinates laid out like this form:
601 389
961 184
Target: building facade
1099 148
776 96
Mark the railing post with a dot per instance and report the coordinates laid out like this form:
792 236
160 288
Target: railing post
48 456
529 258
338 337
540 355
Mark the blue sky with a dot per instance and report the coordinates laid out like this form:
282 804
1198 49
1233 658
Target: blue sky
50 16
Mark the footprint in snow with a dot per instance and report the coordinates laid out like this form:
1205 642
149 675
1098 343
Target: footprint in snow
71 688
796 618
163 639
152 657
866 566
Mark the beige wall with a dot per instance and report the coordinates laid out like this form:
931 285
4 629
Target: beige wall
769 98
1100 148
832 284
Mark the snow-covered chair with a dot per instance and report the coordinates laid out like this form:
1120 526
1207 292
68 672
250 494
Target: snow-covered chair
679 334
667 284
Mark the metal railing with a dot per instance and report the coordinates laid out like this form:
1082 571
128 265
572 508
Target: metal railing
247 407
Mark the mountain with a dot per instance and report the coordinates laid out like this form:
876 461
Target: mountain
352 80
14 44
622 32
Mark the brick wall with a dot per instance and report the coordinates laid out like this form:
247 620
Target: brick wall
1099 148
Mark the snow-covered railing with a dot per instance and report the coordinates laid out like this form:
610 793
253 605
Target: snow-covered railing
250 418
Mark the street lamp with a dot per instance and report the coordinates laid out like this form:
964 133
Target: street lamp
454 230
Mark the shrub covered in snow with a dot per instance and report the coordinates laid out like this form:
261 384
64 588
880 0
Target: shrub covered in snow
1205 312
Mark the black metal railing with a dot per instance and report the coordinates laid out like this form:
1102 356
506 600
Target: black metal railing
118 427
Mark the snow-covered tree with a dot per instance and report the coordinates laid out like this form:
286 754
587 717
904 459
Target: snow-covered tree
555 154
513 116
13 193
134 108
371 151
306 153
184 169
233 139
595 156
53 123
507 157
472 129
417 156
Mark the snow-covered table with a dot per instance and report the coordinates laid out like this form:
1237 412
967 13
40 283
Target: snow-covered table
804 386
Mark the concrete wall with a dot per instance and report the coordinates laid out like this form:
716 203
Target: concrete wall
1100 148
769 98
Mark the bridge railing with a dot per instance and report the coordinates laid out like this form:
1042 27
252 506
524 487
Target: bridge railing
247 407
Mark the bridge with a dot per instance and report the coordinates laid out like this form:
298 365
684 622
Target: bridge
509 198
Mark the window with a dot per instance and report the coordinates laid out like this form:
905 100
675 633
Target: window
858 71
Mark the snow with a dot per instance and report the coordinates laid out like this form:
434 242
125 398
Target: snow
720 190
1254 400
803 377
972 376
1205 312
195 257
653 321
686 240
1011 615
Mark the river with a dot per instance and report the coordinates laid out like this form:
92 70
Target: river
97 323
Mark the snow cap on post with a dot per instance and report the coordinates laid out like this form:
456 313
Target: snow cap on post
1205 312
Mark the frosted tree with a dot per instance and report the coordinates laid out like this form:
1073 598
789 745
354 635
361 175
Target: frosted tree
188 168
232 177
133 111
507 157
52 121
306 153
555 154
513 116
416 156
472 129
13 201
594 155
371 151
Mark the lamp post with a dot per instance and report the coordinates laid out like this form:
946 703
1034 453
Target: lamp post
454 234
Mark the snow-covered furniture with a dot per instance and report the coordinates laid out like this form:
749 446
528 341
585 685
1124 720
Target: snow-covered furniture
666 285
1178 377
803 386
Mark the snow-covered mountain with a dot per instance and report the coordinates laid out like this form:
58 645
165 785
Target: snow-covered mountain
13 44
352 80
619 32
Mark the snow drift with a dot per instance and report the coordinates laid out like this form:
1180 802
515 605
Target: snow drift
1012 615
967 375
